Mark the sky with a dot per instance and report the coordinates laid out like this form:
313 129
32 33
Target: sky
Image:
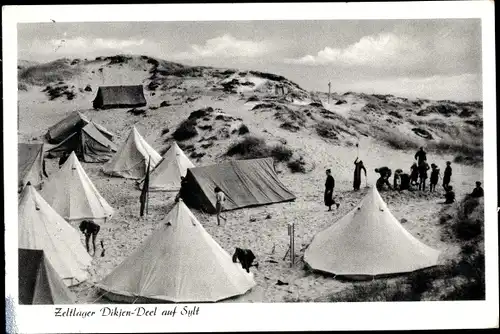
434 59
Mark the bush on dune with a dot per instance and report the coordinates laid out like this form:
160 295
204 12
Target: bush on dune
252 147
44 74
185 130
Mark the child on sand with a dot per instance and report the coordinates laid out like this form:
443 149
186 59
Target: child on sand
219 206
447 175
449 195
434 177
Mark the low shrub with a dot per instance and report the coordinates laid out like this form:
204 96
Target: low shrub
281 153
21 86
250 147
165 131
201 113
326 130
297 165
185 130
290 126
243 129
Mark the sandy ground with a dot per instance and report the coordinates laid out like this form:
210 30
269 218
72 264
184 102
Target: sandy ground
246 228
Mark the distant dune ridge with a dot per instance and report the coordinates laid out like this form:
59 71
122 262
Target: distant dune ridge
220 114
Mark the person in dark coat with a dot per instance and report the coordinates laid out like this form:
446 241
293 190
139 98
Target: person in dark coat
449 195
414 174
478 191
90 229
357 173
405 181
422 174
434 177
329 186
447 175
420 156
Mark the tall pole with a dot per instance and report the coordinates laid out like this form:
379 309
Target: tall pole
329 86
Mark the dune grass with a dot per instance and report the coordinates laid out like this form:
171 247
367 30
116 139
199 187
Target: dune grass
44 74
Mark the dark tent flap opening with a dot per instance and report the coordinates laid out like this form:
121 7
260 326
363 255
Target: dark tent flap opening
39 284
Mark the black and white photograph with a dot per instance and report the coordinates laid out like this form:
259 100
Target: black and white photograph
253 161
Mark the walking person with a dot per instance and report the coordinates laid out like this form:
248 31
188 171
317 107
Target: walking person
357 173
434 177
219 205
329 186
422 174
447 175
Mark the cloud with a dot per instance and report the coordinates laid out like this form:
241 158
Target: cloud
376 51
225 46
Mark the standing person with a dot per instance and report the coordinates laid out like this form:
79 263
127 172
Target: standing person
357 173
219 205
434 177
414 174
422 174
447 175
90 229
420 156
329 186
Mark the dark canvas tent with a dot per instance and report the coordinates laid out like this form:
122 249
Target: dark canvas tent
71 124
245 183
119 97
30 164
39 284
88 143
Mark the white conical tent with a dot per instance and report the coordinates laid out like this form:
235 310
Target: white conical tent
40 227
131 160
368 241
72 194
167 174
180 262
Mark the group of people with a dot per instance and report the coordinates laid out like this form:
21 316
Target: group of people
417 178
